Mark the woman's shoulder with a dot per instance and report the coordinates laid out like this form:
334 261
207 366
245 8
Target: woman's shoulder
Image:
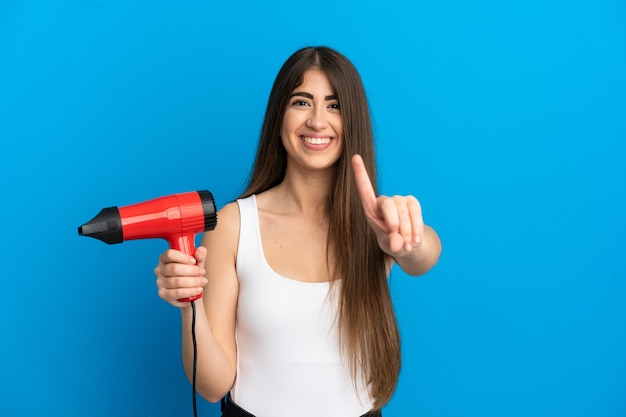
267 200
229 214
226 231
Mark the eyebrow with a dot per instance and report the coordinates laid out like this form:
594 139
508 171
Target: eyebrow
310 96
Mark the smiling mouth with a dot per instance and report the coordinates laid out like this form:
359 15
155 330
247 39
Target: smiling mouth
315 141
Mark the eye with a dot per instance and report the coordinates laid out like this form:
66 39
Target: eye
335 106
299 103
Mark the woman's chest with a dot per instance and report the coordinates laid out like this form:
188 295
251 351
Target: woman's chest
297 249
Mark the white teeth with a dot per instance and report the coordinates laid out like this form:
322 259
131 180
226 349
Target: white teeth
316 141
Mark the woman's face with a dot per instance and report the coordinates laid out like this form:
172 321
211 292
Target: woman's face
312 130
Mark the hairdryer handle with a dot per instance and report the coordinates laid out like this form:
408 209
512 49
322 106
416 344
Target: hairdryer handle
190 299
187 245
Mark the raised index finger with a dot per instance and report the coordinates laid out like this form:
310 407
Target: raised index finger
364 185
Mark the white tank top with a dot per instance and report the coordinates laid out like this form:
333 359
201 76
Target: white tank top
288 357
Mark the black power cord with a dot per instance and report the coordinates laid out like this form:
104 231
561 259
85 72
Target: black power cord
195 357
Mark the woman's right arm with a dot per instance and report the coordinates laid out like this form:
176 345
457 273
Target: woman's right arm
180 276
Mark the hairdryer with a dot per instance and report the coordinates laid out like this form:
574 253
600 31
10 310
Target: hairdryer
176 218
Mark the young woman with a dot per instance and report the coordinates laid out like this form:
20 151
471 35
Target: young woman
297 318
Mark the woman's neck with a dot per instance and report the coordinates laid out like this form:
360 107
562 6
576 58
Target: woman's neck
304 192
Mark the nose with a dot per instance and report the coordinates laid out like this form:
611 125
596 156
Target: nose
317 119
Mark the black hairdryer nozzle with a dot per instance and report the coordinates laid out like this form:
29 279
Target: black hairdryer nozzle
106 226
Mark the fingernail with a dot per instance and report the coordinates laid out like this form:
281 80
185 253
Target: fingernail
205 281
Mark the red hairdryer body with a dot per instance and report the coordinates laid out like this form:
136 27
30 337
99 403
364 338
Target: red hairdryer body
176 218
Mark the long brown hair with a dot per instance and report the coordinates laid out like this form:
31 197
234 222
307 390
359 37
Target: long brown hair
367 323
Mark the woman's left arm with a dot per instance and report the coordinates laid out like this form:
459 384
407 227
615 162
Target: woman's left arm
422 256
399 226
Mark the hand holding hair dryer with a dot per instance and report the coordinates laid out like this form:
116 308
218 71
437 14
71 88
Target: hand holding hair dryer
176 218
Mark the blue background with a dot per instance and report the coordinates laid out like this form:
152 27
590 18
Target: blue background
506 119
